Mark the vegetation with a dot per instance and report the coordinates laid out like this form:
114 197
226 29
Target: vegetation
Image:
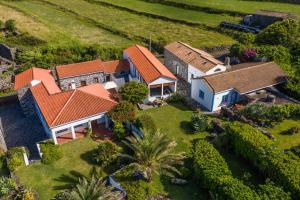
200 123
7 185
214 174
134 92
255 147
270 191
124 111
15 158
119 130
106 153
153 154
146 122
51 152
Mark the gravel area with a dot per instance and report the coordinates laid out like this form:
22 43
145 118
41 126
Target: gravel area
19 130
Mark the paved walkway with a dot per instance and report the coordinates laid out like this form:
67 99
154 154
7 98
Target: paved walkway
19 130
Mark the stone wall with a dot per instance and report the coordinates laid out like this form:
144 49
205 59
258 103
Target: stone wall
66 82
172 62
26 101
7 52
2 141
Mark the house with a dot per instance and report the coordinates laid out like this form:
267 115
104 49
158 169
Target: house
146 68
187 63
75 75
226 88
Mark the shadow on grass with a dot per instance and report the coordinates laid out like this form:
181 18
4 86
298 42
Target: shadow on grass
186 126
68 180
180 106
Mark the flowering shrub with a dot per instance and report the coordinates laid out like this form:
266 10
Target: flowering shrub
249 54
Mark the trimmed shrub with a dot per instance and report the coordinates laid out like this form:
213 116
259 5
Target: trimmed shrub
134 92
28 195
10 25
255 147
296 150
176 98
246 38
106 153
213 172
51 152
124 111
146 122
7 185
15 158
270 191
200 122
119 130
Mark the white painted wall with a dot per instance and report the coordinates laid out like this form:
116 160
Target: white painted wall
194 71
197 85
212 71
162 80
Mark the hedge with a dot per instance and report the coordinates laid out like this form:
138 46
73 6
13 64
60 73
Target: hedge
213 172
15 158
249 143
51 152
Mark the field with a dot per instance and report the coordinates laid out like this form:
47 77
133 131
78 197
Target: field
63 21
242 6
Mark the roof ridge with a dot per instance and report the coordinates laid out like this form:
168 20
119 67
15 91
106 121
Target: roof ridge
79 62
95 95
227 72
63 107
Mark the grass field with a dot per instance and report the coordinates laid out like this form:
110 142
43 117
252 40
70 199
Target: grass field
172 12
81 21
243 6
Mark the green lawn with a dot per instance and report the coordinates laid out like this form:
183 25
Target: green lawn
46 179
285 141
243 6
172 12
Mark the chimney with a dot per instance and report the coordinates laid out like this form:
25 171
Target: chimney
227 63
73 85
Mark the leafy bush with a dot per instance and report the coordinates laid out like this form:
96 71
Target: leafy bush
279 54
279 33
15 158
270 191
7 185
10 25
296 150
292 87
63 196
291 131
237 50
119 130
255 147
213 172
134 92
249 54
124 111
146 122
200 122
51 152
176 98
106 153
28 195
246 38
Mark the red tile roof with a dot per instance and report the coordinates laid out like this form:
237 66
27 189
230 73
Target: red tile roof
149 67
24 79
81 68
65 107
116 66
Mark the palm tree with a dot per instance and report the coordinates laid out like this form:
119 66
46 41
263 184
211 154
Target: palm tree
154 153
92 189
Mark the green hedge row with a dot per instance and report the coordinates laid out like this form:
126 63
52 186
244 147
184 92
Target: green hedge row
212 171
249 143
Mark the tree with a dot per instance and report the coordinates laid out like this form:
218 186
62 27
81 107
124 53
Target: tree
10 25
154 154
134 92
106 153
124 111
92 189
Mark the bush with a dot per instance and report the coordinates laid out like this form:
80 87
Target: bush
50 152
7 185
176 98
63 196
270 191
15 158
246 38
146 122
296 150
134 92
10 25
28 195
106 153
119 130
237 50
124 111
255 147
200 122
279 54
291 131
213 172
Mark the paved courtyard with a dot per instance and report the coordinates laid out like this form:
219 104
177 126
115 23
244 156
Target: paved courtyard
19 130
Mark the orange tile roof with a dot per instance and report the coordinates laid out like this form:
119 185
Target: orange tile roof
81 68
65 107
116 66
149 67
247 78
23 79
190 55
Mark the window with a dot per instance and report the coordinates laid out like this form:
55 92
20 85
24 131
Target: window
107 78
201 94
224 99
96 80
83 83
192 76
217 70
